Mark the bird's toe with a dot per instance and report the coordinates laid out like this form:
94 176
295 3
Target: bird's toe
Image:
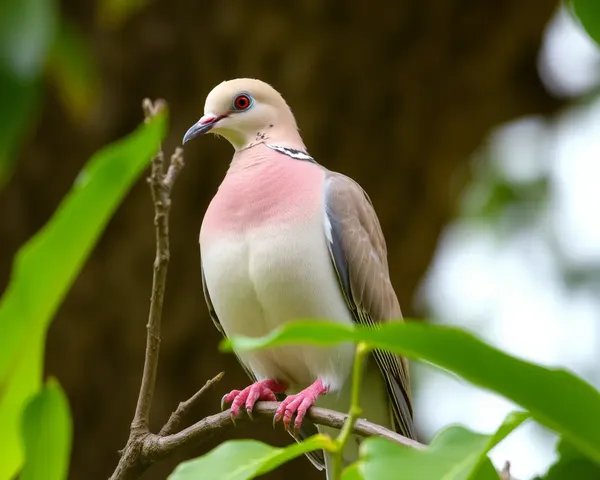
262 390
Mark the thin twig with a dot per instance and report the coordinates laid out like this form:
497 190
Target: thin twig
161 197
161 184
184 407
505 472
175 166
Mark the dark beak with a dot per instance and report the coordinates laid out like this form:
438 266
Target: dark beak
205 124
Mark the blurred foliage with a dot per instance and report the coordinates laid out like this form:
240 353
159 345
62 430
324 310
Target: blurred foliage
47 434
588 12
47 265
493 198
112 13
35 39
73 72
27 28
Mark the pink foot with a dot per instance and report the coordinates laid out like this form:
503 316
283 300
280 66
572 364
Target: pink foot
262 390
299 404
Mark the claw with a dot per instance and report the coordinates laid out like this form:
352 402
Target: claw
297 405
262 390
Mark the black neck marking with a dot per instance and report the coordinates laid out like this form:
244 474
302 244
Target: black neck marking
292 153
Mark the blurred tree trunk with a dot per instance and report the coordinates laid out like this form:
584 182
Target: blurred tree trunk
395 94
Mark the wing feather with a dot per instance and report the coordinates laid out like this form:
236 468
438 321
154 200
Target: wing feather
359 255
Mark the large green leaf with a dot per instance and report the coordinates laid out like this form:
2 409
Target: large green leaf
46 266
588 12
47 433
454 454
571 464
245 459
555 398
24 381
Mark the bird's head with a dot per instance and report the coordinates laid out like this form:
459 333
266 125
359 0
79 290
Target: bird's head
246 112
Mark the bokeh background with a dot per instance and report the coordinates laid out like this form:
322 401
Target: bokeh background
474 126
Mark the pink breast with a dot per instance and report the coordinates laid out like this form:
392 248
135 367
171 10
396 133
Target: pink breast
264 187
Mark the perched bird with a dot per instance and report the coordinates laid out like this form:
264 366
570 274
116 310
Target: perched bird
285 239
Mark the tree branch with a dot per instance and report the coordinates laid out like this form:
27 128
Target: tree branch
156 447
183 408
161 184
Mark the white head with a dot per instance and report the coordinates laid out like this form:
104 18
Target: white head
247 112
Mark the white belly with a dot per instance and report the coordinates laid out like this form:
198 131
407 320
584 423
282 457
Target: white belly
267 276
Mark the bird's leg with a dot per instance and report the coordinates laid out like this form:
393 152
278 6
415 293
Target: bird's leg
261 390
299 404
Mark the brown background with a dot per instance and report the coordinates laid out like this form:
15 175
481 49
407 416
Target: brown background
395 94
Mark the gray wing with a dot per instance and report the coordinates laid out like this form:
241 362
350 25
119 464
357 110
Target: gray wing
359 255
308 428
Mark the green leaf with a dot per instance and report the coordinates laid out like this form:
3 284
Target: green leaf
571 464
26 32
353 472
245 459
19 99
379 456
556 398
46 266
47 433
588 12
73 71
25 380
454 454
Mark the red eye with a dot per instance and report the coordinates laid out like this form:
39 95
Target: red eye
242 101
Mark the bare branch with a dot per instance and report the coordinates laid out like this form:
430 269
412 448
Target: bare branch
184 407
505 472
161 184
162 203
157 447
151 109
175 166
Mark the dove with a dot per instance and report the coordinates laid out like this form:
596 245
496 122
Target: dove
283 239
